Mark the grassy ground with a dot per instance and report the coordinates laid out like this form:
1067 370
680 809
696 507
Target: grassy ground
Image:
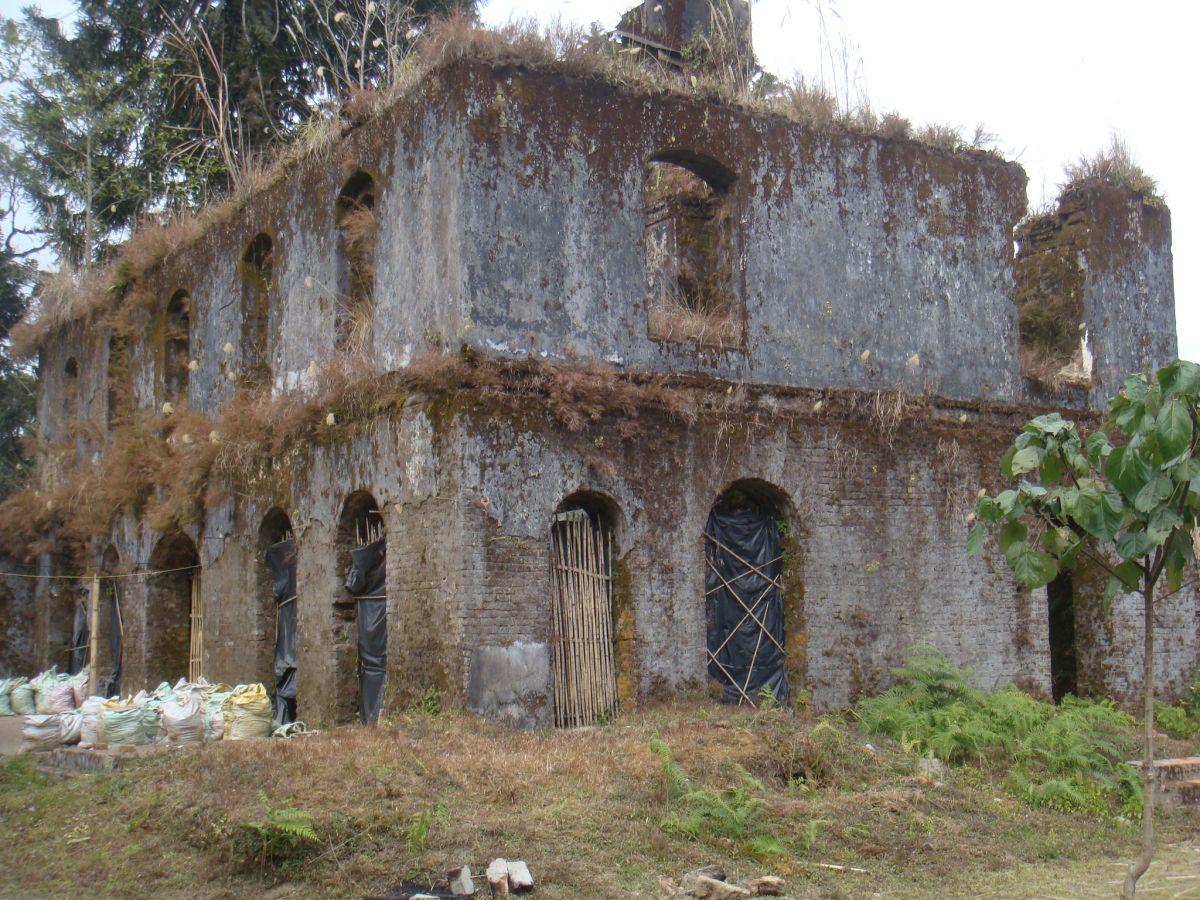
585 808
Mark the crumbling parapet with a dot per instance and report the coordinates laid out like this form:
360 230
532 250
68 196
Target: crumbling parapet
1095 291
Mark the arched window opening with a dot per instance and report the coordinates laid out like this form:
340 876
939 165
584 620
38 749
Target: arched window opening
258 274
355 212
689 252
745 593
174 611
71 386
362 555
177 335
277 611
120 400
1060 596
582 634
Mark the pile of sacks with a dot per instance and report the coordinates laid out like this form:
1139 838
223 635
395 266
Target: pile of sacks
58 712
47 694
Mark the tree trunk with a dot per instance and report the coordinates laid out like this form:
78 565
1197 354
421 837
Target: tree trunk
1139 867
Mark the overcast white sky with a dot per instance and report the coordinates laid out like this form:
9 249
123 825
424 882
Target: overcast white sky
1051 78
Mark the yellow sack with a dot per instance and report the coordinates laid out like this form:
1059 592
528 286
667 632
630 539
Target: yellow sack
247 713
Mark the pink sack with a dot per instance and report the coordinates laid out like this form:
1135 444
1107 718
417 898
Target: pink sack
60 698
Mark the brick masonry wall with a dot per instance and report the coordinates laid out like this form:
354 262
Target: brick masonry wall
876 519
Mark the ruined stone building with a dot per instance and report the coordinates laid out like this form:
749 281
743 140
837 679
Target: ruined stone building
638 306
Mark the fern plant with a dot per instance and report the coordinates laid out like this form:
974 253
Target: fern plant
419 826
281 834
1068 757
733 814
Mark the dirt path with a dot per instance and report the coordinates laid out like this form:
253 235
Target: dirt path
10 735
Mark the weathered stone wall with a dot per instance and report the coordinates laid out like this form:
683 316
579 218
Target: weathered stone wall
846 243
18 650
876 519
1094 282
510 220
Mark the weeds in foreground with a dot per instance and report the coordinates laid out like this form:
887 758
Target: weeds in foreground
1181 720
280 836
733 814
1070 757
429 704
422 823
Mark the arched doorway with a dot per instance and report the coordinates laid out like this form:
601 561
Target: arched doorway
362 555
744 593
110 639
1064 666
174 611
582 550
277 611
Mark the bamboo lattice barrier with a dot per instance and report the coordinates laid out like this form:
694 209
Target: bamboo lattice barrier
196 649
585 683
753 611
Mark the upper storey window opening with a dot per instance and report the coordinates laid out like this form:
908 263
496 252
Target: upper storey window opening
258 272
689 252
177 340
71 386
355 211
119 388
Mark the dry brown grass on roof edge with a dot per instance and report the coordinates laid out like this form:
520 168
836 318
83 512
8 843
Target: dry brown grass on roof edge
167 470
67 296
1114 165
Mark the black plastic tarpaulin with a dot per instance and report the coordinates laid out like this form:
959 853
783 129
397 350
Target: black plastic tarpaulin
113 688
366 582
80 636
744 604
281 563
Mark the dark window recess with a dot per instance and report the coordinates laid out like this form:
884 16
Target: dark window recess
71 387
120 401
177 347
355 211
691 291
258 271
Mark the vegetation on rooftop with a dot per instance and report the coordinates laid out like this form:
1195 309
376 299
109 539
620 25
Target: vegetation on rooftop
80 290
1115 165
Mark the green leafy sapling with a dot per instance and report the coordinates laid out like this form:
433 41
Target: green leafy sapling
1124 500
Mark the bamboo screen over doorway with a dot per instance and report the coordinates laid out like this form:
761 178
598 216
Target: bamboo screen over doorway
585 683
196 647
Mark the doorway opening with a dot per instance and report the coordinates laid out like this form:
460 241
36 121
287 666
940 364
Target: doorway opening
744 594
581 624
1060 597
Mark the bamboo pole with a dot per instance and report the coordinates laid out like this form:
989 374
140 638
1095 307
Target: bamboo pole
94 638
581 613
576 663
584 627
610 674
560 681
